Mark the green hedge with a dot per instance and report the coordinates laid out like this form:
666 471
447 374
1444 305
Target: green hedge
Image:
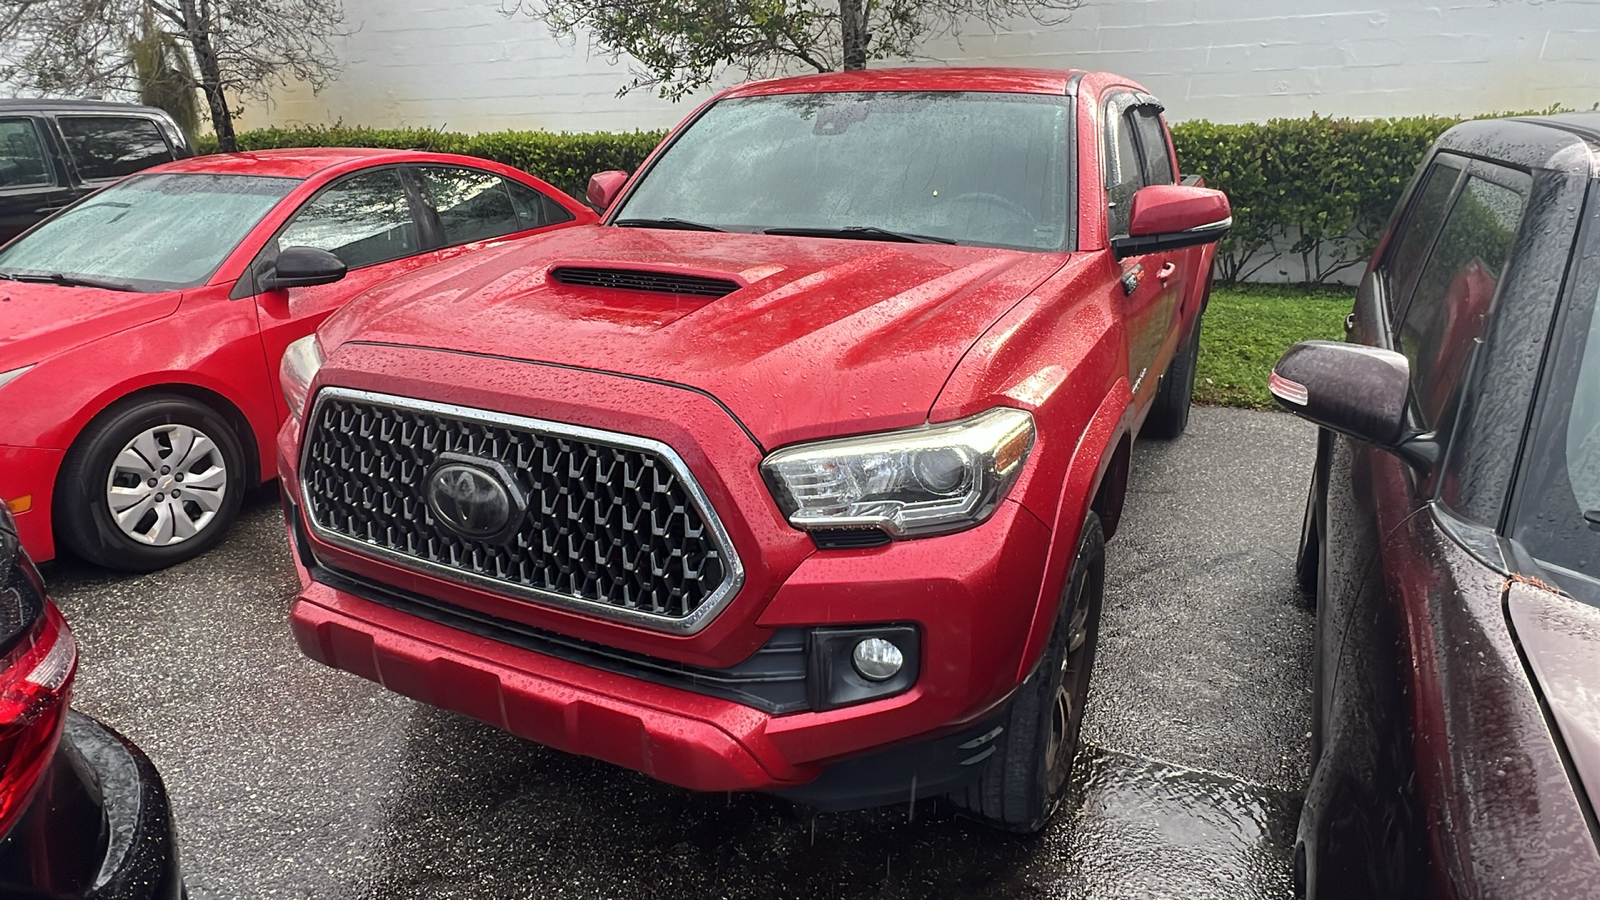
1319 189
565 160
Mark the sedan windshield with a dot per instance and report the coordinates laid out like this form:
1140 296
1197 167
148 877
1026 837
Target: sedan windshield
989 169
149 232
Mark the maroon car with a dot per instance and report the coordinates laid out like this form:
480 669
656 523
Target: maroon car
1452 536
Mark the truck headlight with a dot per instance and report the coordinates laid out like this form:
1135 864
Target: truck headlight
933 479
301 361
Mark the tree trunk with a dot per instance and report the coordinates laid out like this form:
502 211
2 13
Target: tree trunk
197 31
853 30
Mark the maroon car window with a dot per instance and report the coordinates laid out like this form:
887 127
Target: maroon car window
22 160
1558 505
364 219
1404 260
112 146
1449 309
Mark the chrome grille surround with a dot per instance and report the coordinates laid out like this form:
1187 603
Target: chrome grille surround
406 503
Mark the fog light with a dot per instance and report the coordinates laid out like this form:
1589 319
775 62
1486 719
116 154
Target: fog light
877 659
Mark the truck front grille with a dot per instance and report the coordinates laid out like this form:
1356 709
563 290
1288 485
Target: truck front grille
612 524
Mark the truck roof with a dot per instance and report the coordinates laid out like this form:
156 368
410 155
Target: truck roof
997 79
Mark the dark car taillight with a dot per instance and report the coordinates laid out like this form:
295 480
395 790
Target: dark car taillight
38 657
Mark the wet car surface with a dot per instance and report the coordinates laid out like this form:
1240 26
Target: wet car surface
289 779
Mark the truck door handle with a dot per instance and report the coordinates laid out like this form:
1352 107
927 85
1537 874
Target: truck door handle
1167 271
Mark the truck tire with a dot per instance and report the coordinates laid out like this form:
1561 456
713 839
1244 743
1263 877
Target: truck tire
1169 414
1026 778
152 482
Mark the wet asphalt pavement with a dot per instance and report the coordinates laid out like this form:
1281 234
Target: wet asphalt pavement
292 780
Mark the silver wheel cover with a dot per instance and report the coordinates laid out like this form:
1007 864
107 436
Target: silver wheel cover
166 485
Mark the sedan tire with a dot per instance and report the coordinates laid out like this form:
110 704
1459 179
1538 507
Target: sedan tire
150 483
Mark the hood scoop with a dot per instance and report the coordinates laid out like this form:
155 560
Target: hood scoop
653 281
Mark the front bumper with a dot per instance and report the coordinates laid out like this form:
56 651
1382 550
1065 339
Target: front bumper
28 474
99 825
692 735
587 685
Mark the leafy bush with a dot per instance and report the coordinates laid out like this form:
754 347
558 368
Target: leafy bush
563 159
1319 188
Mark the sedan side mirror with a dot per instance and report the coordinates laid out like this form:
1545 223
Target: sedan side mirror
604 187
1353 389
1172 216
303 267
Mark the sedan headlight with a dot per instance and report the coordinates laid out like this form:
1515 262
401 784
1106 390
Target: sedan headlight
922 481
5 377
301 361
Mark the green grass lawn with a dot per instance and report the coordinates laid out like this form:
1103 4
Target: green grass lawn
1247 328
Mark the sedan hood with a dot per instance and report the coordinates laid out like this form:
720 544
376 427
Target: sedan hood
1561 638
41 320
814 336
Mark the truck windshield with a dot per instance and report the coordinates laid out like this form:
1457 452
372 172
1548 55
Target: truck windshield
148 233
989 169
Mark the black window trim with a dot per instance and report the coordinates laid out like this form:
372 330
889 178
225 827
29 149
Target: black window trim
435 222
66 148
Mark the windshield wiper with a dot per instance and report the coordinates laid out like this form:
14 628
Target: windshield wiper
864 233
66 280
678 224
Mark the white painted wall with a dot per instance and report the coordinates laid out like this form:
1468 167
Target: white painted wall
462 65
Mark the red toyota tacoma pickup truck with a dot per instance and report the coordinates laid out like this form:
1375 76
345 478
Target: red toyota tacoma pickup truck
792 475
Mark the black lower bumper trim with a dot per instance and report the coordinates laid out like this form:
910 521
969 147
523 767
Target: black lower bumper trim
905 773
99 825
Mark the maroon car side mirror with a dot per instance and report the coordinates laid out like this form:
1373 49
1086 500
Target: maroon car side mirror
1172 216
604 188
1360 391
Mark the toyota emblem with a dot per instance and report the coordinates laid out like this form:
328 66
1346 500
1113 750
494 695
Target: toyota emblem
470 500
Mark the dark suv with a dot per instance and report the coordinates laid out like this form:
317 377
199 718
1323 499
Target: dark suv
54 151
1454 543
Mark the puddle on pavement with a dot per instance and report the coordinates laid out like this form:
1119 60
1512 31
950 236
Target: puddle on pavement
487 815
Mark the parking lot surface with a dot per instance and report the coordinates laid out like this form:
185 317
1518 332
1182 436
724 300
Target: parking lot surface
292 780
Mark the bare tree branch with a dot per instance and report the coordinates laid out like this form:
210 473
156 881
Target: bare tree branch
239 49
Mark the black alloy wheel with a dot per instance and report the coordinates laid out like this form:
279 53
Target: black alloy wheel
1026 779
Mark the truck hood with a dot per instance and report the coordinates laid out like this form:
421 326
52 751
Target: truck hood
40 320
1561 638
815 336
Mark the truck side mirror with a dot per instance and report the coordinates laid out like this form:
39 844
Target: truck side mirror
604 188
1172 216
303 267
1360 391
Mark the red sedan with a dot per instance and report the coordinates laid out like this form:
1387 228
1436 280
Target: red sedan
141 328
